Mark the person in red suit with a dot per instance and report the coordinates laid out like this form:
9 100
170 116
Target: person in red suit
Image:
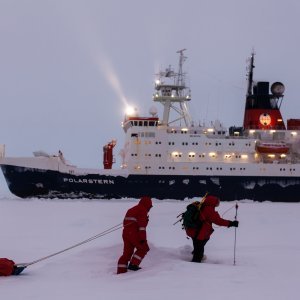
135 236
207 216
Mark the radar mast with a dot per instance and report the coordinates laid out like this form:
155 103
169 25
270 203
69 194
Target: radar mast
173 94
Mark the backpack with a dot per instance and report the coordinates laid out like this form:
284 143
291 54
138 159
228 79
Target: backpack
190 218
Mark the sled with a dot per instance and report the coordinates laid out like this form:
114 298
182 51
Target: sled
8 267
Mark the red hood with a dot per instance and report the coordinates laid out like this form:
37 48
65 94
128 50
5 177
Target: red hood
146 202
211 201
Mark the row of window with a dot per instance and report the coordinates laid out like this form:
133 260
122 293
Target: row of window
198 168
146 154
190 155
220 169
147 134
217 168
209 144
182 143
220 132
143 123
209 168
226 156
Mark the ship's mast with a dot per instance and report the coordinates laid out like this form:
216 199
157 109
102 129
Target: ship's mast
182 58
172 93
250 74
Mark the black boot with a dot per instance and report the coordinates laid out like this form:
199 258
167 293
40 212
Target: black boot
133 267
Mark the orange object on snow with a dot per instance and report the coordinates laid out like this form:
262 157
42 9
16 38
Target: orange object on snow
6 267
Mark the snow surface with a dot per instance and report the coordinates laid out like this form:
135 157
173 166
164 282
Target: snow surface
267 253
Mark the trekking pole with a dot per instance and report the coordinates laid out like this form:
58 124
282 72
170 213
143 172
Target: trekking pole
235 218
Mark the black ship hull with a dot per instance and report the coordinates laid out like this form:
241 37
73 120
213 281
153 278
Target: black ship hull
27 182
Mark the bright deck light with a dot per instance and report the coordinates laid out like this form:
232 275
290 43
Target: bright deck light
130 111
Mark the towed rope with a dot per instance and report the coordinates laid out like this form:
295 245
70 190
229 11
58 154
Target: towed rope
21 267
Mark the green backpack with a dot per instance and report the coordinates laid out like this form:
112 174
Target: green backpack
190 218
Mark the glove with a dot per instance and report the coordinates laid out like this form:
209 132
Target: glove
233 224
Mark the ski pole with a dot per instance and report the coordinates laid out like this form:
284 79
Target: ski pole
235 218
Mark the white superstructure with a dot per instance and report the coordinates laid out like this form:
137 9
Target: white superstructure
154 146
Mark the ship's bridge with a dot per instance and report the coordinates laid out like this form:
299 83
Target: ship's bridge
167 91
139 122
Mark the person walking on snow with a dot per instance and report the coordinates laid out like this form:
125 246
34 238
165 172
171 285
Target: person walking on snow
207 216
135 236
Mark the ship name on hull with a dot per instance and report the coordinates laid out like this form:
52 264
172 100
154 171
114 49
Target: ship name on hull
90 181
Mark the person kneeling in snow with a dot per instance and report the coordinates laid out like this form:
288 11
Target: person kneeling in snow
135 236
207 216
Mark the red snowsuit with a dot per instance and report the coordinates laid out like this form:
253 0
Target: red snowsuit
134 235
207 216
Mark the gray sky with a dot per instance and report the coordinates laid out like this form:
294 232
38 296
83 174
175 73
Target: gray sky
58 60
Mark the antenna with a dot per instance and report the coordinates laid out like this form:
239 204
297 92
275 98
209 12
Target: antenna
250 73
182 58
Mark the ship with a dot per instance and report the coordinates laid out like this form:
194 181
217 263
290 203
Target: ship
173 157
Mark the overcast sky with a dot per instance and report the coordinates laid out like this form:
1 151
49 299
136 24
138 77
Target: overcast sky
66 65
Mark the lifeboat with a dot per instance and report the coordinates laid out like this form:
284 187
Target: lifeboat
279 147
